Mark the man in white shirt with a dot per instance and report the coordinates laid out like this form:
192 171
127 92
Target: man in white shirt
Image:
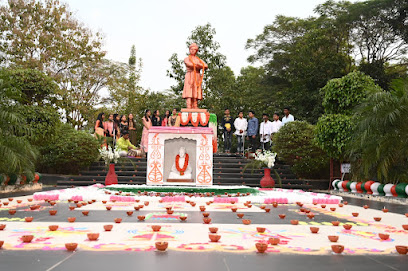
276 123
265 131
241 125
287 116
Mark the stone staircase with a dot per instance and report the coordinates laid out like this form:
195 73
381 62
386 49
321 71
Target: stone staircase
228 170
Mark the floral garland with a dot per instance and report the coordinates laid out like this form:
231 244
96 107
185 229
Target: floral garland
205 121
182 170
184 122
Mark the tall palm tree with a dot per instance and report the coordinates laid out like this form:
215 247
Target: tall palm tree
379 147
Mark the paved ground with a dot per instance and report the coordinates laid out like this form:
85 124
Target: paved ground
130 245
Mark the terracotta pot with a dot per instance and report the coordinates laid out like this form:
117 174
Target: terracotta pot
323 205
85 213
183 218
52 212
274 241
202 208
207 220
307 211
261 247
405 227
2 227
365 206
385 210
93 236
10 199
193 204
5 203
384 236
30 200
314 229
104 201
79 205
262 207
206 214
335 223
302 210
332 209
267 180
214 237
141 217
341 204
71 219
333 238
53 227
355 214
208 203
337 248
129 213
118 220
310 215
141 206
27 238
260 229
267 210
156 227
377 219
161 246
20 201
234 209
347 226
406 214
250 205
239 215
71 246
108 227
246 221
71 208
275 204
402 249
170 212
294 222
29 219
108 208
136 208
12 212
282 216
111 177
213 229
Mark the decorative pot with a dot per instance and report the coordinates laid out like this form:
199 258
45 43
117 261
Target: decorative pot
337 248
347 226
332 209
2 227
129 213
53 227
365 206
385 210
359 188
71 219
355 214
161 246
262 207
20 201
240 215
183 218
12 212
344 185
27 238
294 222
353 187
274 241
206 214
260 229
377 219
137 208
141 217
267 210
261 247
71 208
367 187
108 227
374 188
310 215
234 209
214 237
387 189
93 236
71 246
275 205
111 177
170 212
402 249
400 190
333 238
323 206
85 213
213 229
384 236
246 221
334 184
156 228
335 223
52 212
202 208
29 219
314 229
282 216
118 220
341 205
405 227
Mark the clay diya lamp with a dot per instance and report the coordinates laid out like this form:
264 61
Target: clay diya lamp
53 227
161 246
1 244
365 206
260 229
183 218
275 205
337 249
141 217
19 201
52 212
27 238
405 227
307 211
71 208
118 220
250 205
345 202
33 207
108 227
207 220
246 221
333 238
239 215
314 229
310 215
341 205
93 236
335 223
262 207
108 208
146 203
29 219
261 247
355 214
402 249
170 212
332 209
385 210
85 213
274 241
384 236
267 210
208 202
30 200
129 213
76 201
71 219
299 203
71 246
213 229
168 208
104 201
214 237
206 214
202 208
302 210
156 228
377 219
10 199
193 204
406 214
347 226
5 203
2 227
141 206
114 200
294 222
79 205
323 206
282 216
137 208
12 212
234 209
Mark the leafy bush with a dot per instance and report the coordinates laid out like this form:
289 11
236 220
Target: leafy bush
69 152
295 145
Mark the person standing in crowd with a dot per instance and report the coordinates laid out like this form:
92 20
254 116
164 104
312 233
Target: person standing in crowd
99 129
123 125
108 126
227 125
132 129
156 119
276 123
165 120
174 119
147 123
288 117
265 131
241 125
253 126
116 124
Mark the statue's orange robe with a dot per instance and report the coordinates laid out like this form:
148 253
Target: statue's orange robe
190 90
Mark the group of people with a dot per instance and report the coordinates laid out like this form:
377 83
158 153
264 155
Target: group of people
250 129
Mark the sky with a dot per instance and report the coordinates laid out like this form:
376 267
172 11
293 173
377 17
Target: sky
159 28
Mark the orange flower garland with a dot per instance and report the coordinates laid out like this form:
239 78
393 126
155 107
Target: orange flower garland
182 170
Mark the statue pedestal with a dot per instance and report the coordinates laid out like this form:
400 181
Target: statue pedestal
164 145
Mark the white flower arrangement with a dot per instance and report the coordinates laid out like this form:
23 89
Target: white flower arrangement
109 154
266 157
